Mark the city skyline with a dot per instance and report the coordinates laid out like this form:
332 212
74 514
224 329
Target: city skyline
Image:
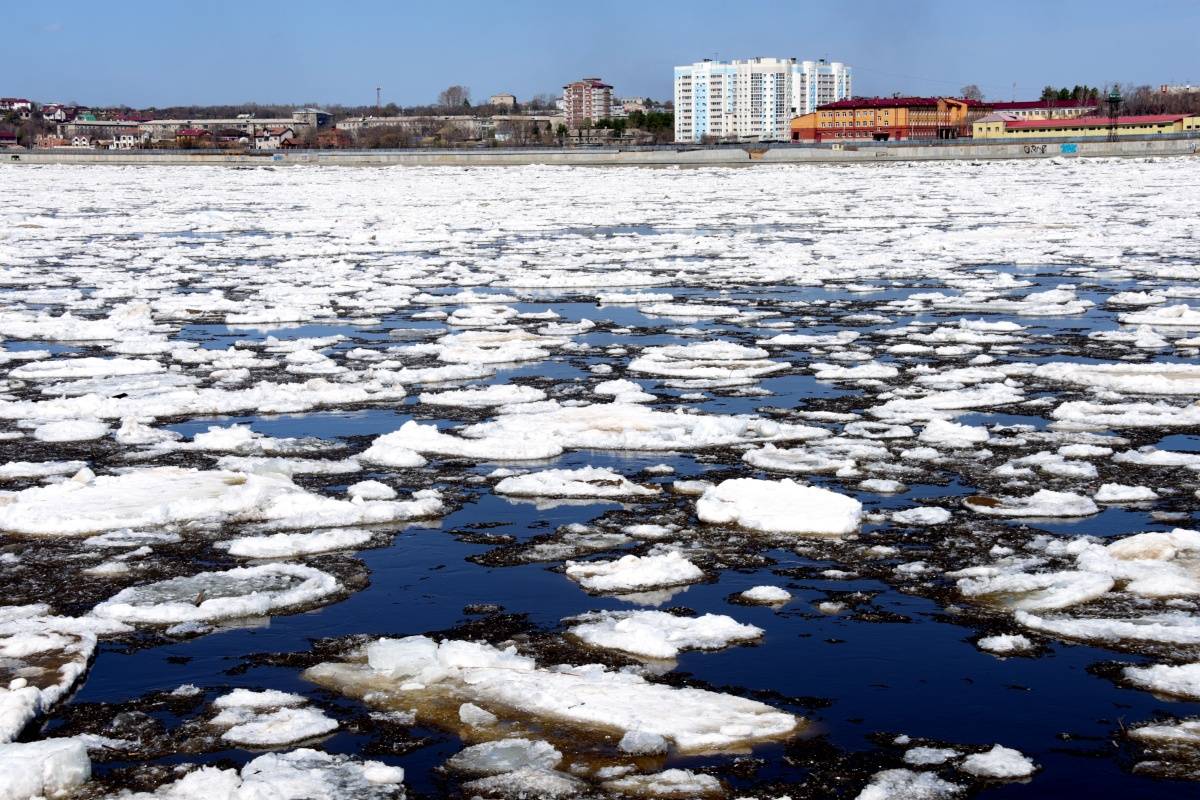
227 53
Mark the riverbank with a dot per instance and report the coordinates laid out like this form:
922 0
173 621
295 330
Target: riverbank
682 156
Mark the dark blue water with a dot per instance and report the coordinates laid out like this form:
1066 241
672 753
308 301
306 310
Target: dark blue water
923 677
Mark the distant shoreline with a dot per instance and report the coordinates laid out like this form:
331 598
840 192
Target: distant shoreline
662 156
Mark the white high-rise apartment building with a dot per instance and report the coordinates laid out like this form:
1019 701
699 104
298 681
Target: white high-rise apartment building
752 99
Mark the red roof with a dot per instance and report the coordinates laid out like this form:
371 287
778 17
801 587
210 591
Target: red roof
594 83
1020 104
1093 122
894 102
191 132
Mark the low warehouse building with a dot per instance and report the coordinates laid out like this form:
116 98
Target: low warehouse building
1005 126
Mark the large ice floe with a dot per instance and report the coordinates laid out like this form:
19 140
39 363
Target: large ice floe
772 416
421 672
169 495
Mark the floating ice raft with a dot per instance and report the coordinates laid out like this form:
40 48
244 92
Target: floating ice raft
417 671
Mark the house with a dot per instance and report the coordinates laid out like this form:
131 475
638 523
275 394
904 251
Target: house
45 141
274 138
18 105
503 100
8 139
56 112
82 140
124 141
193 137
334 139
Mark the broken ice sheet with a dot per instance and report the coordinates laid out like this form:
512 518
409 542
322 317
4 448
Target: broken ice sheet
576 703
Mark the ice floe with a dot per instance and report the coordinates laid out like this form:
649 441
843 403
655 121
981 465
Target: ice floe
158 496
656 634
210 596
779 507
631 573
588 697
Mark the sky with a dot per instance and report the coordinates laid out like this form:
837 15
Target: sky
212 51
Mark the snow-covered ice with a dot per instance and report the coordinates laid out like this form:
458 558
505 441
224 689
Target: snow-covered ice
779 507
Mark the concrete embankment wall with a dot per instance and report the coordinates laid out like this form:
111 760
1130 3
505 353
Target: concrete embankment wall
669 156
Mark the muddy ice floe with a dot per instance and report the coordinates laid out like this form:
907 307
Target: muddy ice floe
779 507
1042 503
42 656
591 699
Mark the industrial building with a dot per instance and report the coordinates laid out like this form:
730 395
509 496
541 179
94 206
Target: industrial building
1002 126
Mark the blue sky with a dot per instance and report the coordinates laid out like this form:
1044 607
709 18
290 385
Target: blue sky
213 51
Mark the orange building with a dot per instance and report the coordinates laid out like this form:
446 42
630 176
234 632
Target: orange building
884 119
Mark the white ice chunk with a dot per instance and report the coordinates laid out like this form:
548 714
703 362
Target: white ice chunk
584 482
504 755
766 595
630 573
779 507
47 768
905 784
999 763
656 634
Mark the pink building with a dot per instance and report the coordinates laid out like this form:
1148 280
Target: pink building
587 99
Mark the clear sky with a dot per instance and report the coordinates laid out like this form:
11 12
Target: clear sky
217 51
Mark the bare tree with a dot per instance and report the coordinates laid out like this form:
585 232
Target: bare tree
454 96
971 92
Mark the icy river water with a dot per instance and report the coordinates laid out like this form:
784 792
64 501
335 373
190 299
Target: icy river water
858 482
